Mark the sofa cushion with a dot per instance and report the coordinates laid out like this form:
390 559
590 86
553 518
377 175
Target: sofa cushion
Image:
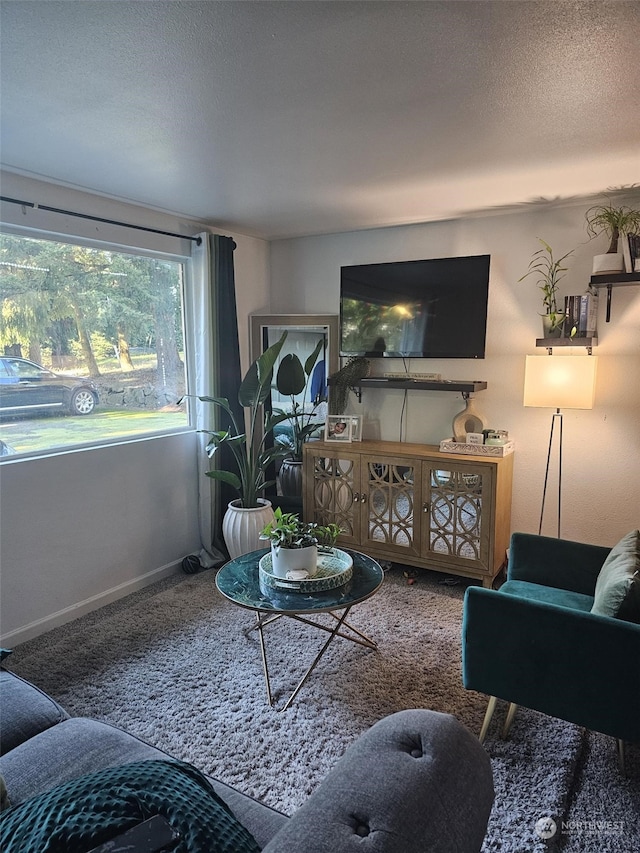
617 591
548 595
94 809
24 711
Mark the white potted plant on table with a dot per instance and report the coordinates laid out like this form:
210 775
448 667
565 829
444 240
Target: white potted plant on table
295 543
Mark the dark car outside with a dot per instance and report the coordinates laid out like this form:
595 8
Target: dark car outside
27 387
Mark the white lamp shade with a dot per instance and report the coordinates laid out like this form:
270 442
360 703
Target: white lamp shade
560 382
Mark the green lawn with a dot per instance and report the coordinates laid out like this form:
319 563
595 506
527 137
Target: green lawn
62 431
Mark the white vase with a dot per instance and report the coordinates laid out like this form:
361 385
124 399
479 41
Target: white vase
241 526
612 262
468 420
284 561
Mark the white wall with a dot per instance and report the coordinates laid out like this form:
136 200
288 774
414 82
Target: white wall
82 528
601 471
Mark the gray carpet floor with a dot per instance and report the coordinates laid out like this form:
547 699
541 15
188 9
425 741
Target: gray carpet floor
179 666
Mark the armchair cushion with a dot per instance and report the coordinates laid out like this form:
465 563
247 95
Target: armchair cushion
548 595
617 590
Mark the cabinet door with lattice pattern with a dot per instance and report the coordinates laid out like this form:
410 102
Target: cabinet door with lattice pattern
332 492
457 514
388 500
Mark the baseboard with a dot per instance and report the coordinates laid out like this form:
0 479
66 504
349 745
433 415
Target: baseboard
68 614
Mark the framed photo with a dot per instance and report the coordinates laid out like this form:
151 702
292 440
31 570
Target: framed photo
337 428
356 428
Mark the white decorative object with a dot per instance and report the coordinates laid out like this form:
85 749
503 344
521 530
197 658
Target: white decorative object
464 449
612 262
475 438
468 420
287 562
241 526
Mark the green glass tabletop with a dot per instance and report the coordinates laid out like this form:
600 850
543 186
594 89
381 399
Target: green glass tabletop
239 582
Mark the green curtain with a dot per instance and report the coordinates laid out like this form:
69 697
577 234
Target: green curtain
226 364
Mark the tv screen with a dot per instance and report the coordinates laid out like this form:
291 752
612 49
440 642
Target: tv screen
434 308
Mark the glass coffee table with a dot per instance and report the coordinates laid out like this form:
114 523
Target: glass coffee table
238 581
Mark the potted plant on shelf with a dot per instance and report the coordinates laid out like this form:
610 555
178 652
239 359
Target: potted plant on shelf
294 543
616 223
249 513
549 272
293 379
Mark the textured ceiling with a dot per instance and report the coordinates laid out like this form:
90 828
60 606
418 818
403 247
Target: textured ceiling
289 118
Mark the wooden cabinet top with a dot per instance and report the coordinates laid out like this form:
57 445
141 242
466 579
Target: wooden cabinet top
400 448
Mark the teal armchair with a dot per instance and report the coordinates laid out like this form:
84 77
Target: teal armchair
534 642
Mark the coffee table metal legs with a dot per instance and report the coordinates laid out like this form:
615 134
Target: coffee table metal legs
263 619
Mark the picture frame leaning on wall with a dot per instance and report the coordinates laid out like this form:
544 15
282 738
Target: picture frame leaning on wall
338 428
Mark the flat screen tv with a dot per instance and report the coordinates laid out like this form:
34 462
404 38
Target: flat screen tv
434 308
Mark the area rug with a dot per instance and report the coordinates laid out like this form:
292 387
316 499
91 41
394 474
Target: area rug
178 665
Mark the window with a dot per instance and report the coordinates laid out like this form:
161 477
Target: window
91 345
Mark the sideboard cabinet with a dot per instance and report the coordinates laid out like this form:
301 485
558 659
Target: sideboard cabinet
413 504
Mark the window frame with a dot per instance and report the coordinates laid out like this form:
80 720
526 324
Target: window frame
130 248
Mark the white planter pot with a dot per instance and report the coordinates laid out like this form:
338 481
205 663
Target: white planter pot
287 560
611 262
241 527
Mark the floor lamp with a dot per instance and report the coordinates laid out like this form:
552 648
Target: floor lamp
559 382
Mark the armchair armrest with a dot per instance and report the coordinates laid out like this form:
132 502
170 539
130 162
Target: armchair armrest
569 664
558 563
404 783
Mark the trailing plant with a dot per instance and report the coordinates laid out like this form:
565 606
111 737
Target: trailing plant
293 379
287 530
248 446
343 380
612 221
548 272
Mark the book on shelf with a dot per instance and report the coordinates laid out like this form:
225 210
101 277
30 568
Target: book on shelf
633 241
624 246
581 312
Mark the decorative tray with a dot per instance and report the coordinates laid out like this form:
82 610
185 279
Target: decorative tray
335 568
450 446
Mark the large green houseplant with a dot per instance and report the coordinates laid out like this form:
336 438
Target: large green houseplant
247 440
248 446
548 272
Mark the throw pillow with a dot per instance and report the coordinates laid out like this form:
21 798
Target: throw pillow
617 590
90 811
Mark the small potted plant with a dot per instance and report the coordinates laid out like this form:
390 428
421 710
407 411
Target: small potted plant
294 543
549 272
615 222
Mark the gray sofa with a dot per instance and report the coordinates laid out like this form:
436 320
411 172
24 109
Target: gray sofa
416 781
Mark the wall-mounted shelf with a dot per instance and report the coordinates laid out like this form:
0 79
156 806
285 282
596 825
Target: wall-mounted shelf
459 385
549 343
611 280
